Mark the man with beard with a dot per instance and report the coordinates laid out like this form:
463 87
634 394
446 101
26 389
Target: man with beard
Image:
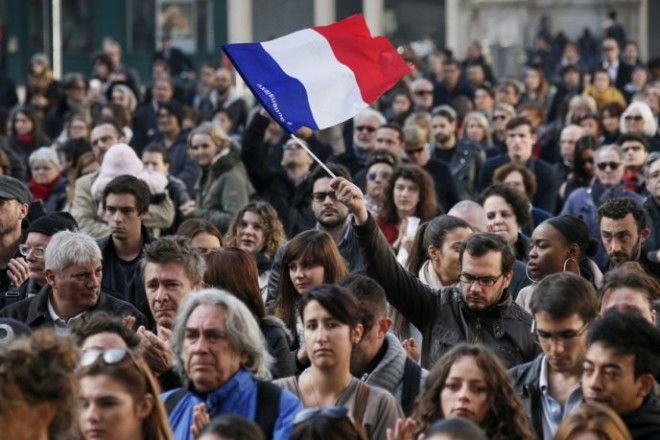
332 217
549 386
623 230
14 201
226 97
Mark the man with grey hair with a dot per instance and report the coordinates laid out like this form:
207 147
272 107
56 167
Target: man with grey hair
567 140
422 94
363 142
73 290
608 184
222 358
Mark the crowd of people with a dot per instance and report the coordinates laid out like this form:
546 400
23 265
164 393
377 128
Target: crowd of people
484 263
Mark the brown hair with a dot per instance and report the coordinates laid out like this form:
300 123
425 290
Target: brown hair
5 164
529 179
274 235
235 270
506 417
427 207
595 418
631 275
194 226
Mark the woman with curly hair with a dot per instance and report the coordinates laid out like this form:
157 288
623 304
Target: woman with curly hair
38 387
411 193
470 382
257 230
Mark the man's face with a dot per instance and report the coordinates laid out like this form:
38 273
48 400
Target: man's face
483 102
442 129
293 155
223 80
78 286
102 138
418 153
451 75
487 268
608 168
123 216
162 92
563 341
628 300
207 76
569 136
372 340
622 238
12 214
167 123
328 211
519 143
422 95
36 243
210 359
166 284
153 161
609 379
378 175
507 94
390 140
653 180
364 132
634 155
610 50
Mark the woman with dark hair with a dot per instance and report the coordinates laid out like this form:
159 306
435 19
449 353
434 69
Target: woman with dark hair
119 398
311 258
610 114
331 319
537 88
583 166
470 382
203 234
593 421
411 193
257 229
25 134
234 270
560 244
507 212
333 423
590 122
230 427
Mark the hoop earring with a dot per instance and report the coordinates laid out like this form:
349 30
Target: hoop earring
527 273
574 261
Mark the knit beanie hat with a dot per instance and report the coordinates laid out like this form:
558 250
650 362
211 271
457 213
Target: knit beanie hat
54 222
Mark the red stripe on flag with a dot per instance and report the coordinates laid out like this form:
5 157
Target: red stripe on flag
375 61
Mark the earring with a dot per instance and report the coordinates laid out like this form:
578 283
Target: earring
575 262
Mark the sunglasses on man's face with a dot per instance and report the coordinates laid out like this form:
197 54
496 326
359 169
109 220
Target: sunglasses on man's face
604 165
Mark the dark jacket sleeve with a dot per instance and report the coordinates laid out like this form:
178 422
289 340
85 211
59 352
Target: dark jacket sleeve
278 347
254 152
404 291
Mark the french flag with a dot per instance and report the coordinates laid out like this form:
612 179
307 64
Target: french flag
319 77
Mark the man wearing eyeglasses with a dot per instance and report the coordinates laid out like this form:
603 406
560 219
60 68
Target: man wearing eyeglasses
607 184
635 149
422 94
363 142
549 386
479 309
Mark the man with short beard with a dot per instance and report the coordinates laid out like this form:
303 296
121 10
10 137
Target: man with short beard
225 97
14 201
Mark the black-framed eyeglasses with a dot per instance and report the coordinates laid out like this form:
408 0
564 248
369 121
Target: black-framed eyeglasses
604 165
320 196
564 337
384 175
333 412
24 249
468 279
110 356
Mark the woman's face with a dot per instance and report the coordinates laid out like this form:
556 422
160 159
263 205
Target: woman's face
447 259
474 131
515 180
305 274
588 162
500 218
548 252
590 126
108 411
406 196
327 341
78 129
465 393
44 171
205 242
250 233
202 149
601 81
532 80
634 122
119 97
22 124
610 122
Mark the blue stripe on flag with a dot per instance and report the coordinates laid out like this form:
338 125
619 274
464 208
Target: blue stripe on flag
283 96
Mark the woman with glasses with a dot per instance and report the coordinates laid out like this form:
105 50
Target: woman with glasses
311 258
119 398
331 319
638 118
380 167
502 113
257 230
38 387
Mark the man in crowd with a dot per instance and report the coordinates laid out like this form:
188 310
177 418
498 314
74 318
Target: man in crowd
630 291
478 308
635 149
620 73
421 90
226 97
145 123
390 137
219 349
451 86
14 202
549 386
73 273
365 125
620 365
567 140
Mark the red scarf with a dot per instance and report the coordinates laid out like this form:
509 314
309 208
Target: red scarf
41 191
26 141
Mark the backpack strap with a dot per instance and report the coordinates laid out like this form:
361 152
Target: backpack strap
412 375
360 403
173 399
268 407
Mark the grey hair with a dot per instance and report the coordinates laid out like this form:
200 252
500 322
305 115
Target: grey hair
370 112
45 154
650 125
242 329
650 160
606 148
68 248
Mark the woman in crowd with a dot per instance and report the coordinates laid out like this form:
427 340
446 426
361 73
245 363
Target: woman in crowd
502 113
234 270
593 421
38 387
333 423
583 166
203 234
119 398
311 258
560 244
602 89
77 127
41 88
507 212
332 326
476 128
257 230
638 118
223 186
537 88
47 184
590 122
578 106
231 427
470 382
411 193
380 166
610 115
25 134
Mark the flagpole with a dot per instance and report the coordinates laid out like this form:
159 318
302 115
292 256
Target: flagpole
304 146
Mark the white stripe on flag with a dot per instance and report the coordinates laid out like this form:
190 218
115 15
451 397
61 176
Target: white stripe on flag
332 89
